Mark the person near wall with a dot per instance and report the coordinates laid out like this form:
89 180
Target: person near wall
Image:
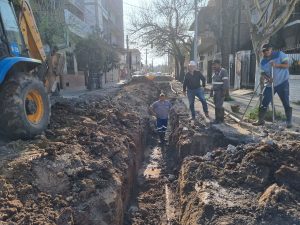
220 85
280 63
193 81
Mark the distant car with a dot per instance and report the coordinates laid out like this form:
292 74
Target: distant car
138 73
150 74
158 73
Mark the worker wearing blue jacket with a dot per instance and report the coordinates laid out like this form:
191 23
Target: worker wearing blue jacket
280 63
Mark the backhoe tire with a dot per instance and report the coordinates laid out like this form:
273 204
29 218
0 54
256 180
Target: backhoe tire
24 107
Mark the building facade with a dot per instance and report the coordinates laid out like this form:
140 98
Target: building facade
242 61
135 60
79 19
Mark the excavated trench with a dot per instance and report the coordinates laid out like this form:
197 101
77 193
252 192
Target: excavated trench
156 200
205 176
100 163
83 170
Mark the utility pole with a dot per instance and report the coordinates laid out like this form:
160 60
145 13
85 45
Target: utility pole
146 59
239 26
97 17
196 33
128 55
152 65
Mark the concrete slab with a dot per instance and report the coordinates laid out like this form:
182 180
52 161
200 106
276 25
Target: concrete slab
242 92
232 131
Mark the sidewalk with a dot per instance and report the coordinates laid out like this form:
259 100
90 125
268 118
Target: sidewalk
242 98
79 92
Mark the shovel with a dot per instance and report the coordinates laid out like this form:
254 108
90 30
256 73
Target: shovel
273 105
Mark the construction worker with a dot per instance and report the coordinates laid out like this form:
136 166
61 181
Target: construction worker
192 86
280 63
220 85
161 109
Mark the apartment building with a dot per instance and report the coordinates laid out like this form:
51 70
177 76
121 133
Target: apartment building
80 18
108 20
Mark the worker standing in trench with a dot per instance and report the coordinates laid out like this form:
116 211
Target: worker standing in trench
161 110
220 85
192 87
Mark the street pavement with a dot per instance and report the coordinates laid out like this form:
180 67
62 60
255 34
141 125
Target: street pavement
78 93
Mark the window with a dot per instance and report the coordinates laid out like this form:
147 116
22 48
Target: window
70 63
11 28
294 61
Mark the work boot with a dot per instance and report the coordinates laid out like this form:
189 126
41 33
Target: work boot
261 117
221 115
218 116
288 114
161 137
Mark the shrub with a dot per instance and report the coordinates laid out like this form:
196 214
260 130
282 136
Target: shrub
253 115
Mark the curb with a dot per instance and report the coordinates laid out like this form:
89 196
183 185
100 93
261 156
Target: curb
236 119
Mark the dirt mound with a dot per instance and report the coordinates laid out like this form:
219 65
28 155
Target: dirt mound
250 184
83 169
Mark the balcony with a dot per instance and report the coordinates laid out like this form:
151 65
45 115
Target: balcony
76 25
78 3
76 7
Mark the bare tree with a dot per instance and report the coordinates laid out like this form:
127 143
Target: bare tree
165 25
266 17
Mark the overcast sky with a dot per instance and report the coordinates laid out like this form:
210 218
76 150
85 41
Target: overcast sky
129 7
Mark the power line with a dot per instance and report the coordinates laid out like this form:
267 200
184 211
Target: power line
126 3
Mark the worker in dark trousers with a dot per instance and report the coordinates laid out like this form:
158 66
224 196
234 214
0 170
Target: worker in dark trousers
192 86
161 110
220 85
280 63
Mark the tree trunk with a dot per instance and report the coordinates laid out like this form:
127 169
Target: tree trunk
177 73
257 44
181 65
258 78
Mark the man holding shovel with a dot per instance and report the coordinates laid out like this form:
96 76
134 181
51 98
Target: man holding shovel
275 71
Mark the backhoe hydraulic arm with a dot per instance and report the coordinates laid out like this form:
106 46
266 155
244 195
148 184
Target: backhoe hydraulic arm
29 30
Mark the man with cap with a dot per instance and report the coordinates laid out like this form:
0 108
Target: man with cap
280 63
220 85
192 86
161 109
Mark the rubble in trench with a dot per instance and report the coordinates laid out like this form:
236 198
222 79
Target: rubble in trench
83 169
156 201
239 184
249 184
222 184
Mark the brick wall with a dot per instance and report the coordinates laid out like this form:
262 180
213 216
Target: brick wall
73 82
112 76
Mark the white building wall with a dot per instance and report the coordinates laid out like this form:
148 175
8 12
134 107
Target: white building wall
76 25
294 88
91 13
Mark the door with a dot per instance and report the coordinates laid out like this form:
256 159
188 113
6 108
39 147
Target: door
70 63
209 71
231 70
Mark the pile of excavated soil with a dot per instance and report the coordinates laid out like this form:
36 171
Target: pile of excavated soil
83 169
250 184
222 184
